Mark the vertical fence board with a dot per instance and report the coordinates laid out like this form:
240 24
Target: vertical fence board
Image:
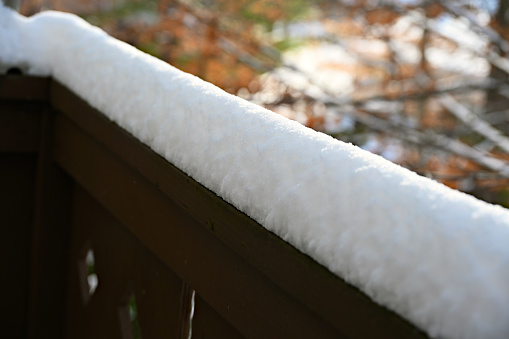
163 305
49 240
20 125
17 187
126 270
103 314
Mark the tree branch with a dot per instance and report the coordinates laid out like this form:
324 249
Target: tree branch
474 122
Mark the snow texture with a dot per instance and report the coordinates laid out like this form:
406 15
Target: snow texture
436 256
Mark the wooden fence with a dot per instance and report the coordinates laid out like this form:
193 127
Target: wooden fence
82 200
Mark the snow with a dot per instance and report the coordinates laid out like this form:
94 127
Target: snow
436 256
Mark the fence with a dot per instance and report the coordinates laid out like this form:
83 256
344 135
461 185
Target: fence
103 238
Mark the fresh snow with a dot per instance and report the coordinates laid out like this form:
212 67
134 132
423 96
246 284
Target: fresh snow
436 256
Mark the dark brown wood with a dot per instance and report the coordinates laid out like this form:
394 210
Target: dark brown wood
17 87
103 314
17 189
20 125
50 239
22 99
124 268
208 324
162 298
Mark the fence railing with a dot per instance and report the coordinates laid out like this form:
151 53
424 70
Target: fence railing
103 238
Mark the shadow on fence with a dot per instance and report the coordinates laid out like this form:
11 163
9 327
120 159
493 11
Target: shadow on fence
103 238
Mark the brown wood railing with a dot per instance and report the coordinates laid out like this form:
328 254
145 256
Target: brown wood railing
75 185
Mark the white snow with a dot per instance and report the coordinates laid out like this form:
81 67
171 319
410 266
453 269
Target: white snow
438 257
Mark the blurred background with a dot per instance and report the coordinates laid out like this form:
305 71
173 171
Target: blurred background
424 84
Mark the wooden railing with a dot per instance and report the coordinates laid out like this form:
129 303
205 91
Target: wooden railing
82 200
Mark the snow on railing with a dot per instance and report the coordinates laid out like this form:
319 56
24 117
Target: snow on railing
436 256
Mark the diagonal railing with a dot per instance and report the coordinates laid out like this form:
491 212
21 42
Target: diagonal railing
114 241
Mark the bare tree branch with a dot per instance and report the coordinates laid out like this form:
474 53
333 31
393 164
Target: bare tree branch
492 57
492 35
498 117
460 86
474 122
432 139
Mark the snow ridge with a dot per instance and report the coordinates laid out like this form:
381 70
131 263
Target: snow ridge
436 256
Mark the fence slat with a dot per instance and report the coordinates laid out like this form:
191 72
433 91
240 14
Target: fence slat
208 324
20 172
17 188
125 271
20 125
50 238
103 313
162 299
